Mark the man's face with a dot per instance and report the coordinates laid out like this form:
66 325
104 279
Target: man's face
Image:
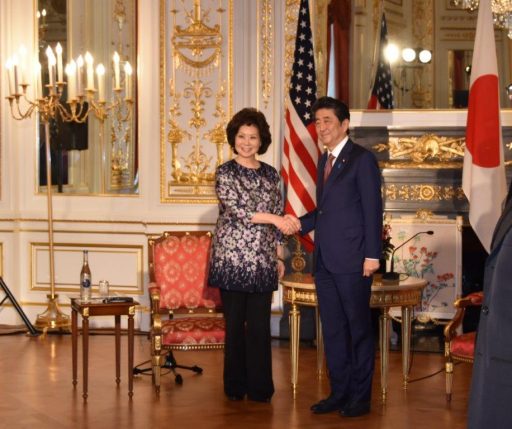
329 128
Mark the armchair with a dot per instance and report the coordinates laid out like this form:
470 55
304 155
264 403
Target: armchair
185 312
459 347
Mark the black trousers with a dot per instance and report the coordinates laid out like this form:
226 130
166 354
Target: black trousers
247 352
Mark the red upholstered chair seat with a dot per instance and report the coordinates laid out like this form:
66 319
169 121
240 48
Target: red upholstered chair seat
463 346
459 347
193 331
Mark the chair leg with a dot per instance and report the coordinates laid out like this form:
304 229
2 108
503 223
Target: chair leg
449 379
156 364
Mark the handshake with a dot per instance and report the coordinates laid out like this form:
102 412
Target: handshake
288 224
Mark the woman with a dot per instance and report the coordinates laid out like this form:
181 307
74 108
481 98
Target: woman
246 260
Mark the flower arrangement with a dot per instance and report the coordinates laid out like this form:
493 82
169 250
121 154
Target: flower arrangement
387 249
387 246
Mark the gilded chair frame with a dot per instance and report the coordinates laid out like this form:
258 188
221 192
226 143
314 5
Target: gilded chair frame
158 315
452 331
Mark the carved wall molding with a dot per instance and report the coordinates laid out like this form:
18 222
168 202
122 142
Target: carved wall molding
290 30
422 192
266 42
426 151
196 69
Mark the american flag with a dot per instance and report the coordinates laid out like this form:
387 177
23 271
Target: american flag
301 151
382 91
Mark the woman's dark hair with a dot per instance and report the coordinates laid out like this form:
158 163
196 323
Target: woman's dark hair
249 116
340 109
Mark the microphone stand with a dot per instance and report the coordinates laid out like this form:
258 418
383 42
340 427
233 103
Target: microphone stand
392 278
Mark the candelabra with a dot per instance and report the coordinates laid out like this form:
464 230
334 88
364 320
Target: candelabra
80 105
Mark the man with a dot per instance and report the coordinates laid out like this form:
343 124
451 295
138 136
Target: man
491 385
348 229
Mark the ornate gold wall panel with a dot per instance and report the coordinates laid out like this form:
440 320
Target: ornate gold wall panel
265 49
196 69
290 30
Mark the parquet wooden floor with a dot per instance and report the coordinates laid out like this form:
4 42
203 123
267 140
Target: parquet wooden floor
36 392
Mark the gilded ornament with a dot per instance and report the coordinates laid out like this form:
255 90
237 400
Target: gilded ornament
424 215
427 151
267 36
423 193
197 46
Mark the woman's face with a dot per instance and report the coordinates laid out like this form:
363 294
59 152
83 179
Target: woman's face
247 141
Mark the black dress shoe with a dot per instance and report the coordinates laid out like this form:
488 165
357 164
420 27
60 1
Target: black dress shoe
328 405
235 397
355 409
258 398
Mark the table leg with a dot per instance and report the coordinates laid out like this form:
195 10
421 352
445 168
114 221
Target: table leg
406 343
130 351
118 348
319 345
384 350
294 319
74 344
85 350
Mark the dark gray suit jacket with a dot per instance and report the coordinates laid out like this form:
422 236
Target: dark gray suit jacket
348 217
490 404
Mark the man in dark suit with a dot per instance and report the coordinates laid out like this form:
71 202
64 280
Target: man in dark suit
348 232
491 386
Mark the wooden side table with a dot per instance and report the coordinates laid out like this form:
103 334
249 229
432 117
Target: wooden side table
299 289
98 308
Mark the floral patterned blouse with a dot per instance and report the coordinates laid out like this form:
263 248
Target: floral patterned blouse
244 253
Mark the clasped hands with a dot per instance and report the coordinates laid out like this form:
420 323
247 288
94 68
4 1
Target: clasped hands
288 224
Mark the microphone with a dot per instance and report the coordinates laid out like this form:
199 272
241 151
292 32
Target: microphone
391 276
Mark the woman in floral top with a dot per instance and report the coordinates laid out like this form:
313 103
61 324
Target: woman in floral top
246 260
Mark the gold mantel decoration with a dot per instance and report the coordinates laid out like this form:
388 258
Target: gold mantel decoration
424 215
427 151
422 193
196 42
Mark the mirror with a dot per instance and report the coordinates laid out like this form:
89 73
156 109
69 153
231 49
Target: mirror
98 156
438 26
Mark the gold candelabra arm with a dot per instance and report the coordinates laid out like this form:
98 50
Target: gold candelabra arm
16 112
101 109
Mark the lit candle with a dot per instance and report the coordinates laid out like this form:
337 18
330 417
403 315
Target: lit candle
8 66
39 81
128 80
79 66
71 73
116 71
90 71
60 76
100 71
51 65
23 64
15 67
